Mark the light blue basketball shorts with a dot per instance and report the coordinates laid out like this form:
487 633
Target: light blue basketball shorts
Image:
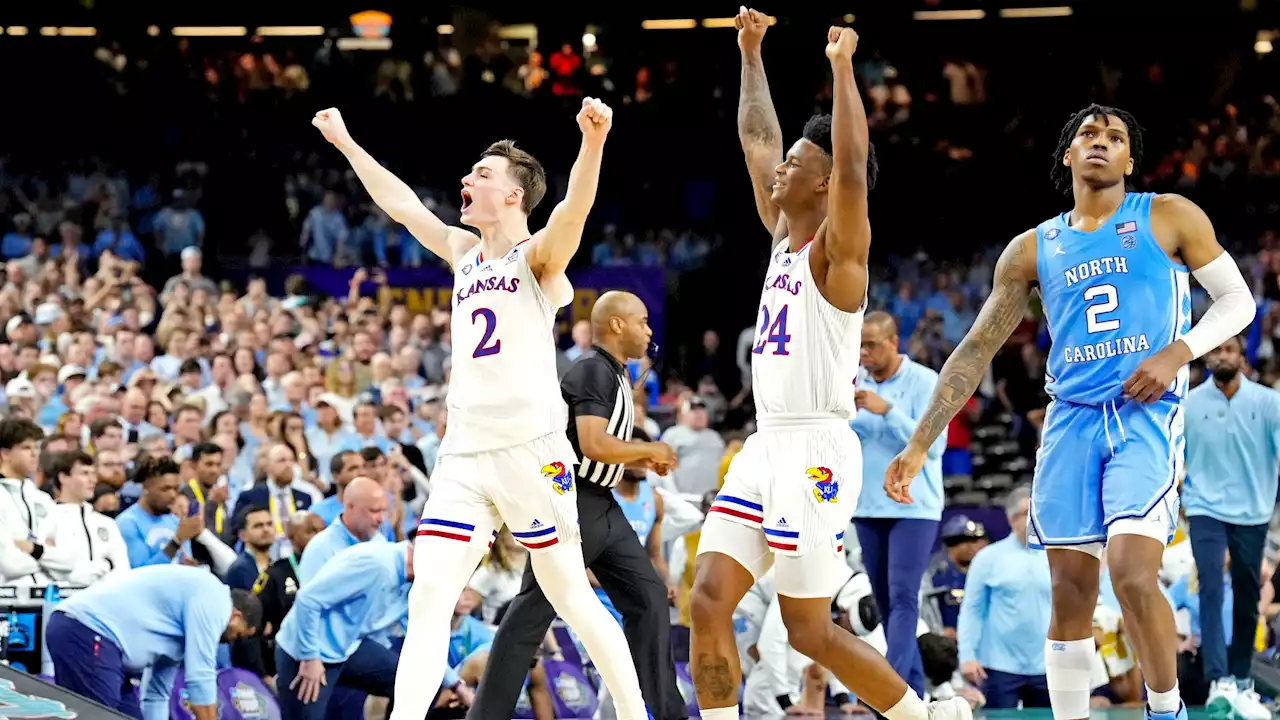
1107 470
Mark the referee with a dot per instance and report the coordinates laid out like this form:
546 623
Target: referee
598 391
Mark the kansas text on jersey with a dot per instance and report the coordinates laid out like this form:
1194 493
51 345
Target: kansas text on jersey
1112 298
805 357
503 386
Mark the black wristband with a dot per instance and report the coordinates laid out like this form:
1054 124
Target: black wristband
841 699
784 700
37 550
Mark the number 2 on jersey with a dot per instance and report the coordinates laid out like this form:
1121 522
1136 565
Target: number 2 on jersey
483 348
1109 303
774 333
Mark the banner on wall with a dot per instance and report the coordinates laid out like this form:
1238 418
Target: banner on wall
422 289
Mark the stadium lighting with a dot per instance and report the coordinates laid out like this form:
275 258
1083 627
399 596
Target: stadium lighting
49 31
359 43
211 31
669 24
1036 12
77 31
849 18
588 40
153 30
289 30
17 30
1263 44
524 31
949 14
445 29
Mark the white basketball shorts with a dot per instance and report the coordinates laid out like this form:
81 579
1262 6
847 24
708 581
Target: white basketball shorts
529 487
788 496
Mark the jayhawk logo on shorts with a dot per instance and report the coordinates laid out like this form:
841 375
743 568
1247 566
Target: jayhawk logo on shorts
561 477
826 488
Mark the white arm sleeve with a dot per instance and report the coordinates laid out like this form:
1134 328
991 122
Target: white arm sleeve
220 555
1232 309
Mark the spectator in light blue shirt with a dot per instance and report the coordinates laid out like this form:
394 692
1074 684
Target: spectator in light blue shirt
1005 616
325 231
364 509
149 621
366 433
469 643
1233 448
345 466
892 393
180 225
328 637
153 534
327 435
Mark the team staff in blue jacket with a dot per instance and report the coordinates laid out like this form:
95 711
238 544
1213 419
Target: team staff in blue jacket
336 631
149 621
896 540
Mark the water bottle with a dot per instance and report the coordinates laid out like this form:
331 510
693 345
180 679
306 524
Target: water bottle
4 639
52 596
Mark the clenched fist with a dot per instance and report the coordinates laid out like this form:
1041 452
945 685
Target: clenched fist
841 43
751 25
330 124
594 119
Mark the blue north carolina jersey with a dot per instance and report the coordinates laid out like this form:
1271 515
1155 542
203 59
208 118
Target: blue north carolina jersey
642 512
1111 299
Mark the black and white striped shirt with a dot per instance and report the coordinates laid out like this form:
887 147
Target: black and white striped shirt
599 386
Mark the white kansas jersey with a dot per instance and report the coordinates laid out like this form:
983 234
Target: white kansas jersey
503 388
805 357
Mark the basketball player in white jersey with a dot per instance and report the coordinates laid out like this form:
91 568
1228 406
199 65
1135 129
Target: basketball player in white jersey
505 457
790 492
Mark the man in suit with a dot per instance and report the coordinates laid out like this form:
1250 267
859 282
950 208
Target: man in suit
279 493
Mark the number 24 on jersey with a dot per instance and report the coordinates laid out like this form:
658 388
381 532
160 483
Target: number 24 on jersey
773 332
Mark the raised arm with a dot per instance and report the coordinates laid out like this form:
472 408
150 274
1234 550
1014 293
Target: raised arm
846 240
963 371
392 195
555 245
758 127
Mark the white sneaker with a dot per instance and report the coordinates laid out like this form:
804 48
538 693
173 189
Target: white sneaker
957 708
1248 705
1222 699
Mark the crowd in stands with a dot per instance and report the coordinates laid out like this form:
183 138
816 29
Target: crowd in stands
184 418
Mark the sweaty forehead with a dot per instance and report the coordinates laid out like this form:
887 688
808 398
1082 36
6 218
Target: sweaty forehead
1110 122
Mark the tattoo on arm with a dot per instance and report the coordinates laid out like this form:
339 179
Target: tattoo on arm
1000 315
757 121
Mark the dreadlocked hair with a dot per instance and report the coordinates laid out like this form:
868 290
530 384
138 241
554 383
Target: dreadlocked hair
1061 174
818 131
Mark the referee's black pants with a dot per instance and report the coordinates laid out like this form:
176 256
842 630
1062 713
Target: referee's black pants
621 564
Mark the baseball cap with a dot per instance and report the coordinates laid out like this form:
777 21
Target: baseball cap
20 388
47 313
16 322
328 399
66 372
695 401
191 252
960 528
